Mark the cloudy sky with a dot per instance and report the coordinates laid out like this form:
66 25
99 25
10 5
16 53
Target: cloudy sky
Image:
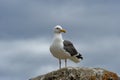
26 33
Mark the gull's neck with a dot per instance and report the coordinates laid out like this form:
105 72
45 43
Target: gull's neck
58 37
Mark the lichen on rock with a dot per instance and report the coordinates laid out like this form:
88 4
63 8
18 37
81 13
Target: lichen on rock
77 73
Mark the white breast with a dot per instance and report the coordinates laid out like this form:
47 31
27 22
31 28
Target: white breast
57 50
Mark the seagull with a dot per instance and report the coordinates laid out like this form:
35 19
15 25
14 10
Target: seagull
63 49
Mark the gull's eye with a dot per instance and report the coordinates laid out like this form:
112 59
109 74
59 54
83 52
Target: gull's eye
57 28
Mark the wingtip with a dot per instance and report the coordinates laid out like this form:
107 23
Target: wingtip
79 56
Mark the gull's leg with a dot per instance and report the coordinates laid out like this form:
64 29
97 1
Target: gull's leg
59 63
65 62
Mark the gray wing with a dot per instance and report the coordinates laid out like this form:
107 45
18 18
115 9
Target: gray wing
68 46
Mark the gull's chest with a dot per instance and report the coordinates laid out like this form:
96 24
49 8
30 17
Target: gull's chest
57 50
57 46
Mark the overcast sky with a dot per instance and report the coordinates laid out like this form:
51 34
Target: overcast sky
26 34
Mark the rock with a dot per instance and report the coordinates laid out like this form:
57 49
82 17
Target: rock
72 73
119 78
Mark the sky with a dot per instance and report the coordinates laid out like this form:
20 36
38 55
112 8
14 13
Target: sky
26 32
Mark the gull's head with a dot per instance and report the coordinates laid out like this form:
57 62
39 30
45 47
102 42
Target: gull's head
59 29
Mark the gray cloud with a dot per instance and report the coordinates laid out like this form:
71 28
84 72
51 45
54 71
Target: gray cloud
30 19
26 33
21 59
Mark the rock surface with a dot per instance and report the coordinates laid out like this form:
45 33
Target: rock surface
76 73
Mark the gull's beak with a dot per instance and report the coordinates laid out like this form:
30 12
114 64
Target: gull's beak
63 30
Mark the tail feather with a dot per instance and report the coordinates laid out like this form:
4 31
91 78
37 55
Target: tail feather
76 58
